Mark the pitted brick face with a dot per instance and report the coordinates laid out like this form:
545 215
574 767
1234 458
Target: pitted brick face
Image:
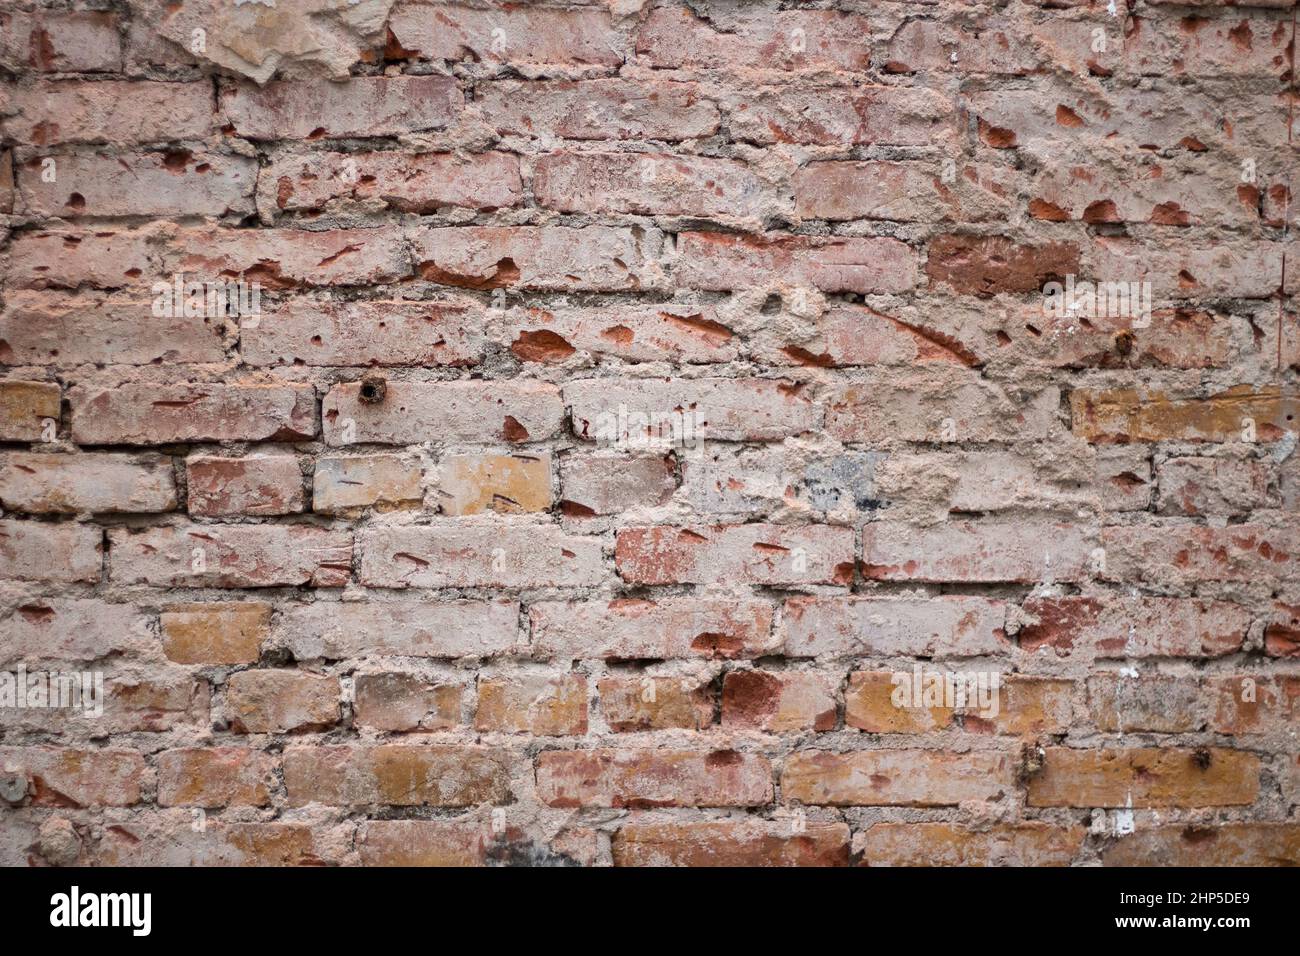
650 432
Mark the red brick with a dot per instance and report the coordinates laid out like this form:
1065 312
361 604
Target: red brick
538 258
715 261
779 702
652 778
947 844
536 704
276 701
1253 703
363 333
215 633
510 411
422 843
631 704
598 109
839 116
731 843
633 333
60 41
156 414
231 556
73 483
419 183
902 192
1144 777
507 34
627 628
1020 551
39 551
455 554
1222 844
452 629
362 106
178 182
788 40
897 778
654 184
54 328
1179 554
61 777
747 553
396 775
612 410
1106 626
53 112
987 265
946 626
1282 631
257 485
215 777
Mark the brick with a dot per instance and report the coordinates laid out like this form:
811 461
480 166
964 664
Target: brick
652 778
634 413
479 555
1120 703
1141 194
1023 706
278 701
536 258
655 703
396 775
383 482
1182 268
419 183
1224 844
68 258
719 262
534 704
1019 551
332 333
840 190
839 116
361 106
953 405
172 841
75 629
749 553
781 702
1282 631
340 630
508 35
412 412
901 778
1144 777
599 109
256 485
1252 703
422 843
54 112
58 41
79 483
630 628
946 626
947 844
178 182
730 843
214 777
405 702
1242 45
1181 553
1124 479
61 777
1115 626
849 335
1213 486
292 258
653 184
1125 415
933 46
632 333
789 40
231 556
39 551
987 265
167 700
215 633
156 414
508 484
592 485
25 407
53 328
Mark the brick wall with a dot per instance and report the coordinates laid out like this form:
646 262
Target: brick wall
561 432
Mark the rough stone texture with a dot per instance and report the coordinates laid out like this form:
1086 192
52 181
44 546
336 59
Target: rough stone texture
465 432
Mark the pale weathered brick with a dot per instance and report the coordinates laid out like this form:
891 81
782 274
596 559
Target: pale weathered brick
92 482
